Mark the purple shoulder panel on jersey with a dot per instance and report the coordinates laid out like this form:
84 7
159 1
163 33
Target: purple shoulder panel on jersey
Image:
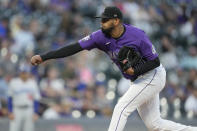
89 42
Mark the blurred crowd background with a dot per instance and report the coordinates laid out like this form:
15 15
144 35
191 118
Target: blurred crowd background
88 83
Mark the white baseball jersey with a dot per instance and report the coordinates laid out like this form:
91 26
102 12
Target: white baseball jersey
23 92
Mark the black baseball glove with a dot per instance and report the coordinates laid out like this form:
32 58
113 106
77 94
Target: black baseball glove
128 57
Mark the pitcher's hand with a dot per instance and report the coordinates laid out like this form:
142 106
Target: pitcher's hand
36 60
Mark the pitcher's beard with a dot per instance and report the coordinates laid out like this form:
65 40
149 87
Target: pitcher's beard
107 32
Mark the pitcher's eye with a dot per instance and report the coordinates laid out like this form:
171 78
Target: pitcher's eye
103 20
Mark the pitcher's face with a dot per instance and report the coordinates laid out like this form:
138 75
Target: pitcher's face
107 26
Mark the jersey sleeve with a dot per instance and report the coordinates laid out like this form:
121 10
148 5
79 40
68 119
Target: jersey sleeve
10 89
147 49
89 42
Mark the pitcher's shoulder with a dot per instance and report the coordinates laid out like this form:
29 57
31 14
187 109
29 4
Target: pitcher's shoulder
97 33
133 28
135 32
99 36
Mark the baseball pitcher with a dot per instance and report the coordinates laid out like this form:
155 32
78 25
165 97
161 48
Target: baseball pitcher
132 51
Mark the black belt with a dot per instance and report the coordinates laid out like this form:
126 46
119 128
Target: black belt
23 106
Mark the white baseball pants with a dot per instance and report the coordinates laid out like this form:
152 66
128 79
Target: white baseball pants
143 95
23 120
